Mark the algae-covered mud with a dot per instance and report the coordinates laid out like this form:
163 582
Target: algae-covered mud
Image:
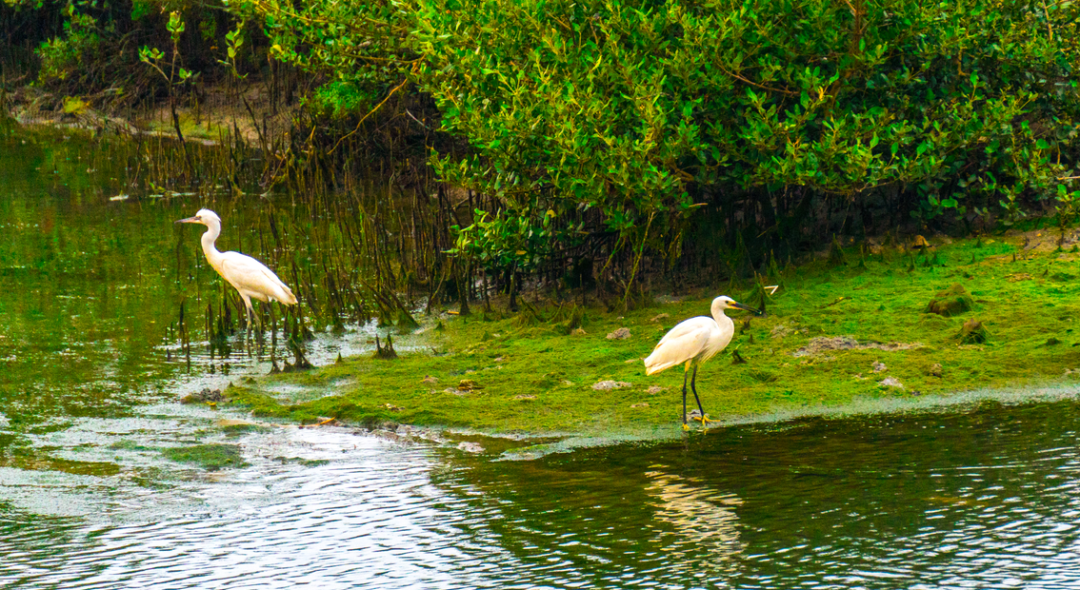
899 321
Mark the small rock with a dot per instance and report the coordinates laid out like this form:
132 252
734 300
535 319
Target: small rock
468 385
655 389
879 367
935 370
206 395
470 447
578 332
499 359
639 406
455 391
660 317
891 382
524 397
620 334
606 385
394 408
429 379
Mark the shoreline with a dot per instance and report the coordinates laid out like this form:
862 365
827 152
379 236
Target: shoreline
838 336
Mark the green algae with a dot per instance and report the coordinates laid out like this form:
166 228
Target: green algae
211 457
834 334
952 301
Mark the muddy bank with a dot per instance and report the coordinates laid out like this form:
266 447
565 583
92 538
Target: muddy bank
218 117
836 334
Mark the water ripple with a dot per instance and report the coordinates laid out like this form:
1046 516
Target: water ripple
865 503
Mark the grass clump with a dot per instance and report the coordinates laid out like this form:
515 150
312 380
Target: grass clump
973 332
952 301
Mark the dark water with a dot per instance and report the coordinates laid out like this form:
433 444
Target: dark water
980 496
983 499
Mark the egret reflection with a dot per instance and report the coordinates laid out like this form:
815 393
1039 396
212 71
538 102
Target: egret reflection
704 519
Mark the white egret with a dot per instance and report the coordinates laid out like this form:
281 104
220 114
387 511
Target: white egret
693 342
248 276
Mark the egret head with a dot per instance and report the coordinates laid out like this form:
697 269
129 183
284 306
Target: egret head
724 302
203 216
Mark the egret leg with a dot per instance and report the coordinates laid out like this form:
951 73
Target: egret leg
693 387
248 312
685 375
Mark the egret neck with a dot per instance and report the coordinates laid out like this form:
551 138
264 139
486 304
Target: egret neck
213 256
718 307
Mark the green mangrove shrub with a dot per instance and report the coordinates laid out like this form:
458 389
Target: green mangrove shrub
642 111
358 48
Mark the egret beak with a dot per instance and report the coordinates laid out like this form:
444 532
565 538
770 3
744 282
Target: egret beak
738 305
188 220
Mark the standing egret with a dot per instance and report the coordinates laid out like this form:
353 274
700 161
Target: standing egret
248 276
693 342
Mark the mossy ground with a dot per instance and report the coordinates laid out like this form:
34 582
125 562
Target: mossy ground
532 377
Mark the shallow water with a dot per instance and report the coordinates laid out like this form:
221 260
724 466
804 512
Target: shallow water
983 496
983 499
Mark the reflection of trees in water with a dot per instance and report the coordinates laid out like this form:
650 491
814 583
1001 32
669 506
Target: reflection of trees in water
703 519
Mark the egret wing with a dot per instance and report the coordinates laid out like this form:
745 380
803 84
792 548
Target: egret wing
252 278
682 343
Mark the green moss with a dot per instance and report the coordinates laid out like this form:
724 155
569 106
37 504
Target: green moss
952 301
538 379
211 457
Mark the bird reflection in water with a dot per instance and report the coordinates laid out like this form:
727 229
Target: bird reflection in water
702 519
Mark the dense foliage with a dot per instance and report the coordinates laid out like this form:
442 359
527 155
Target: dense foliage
667 126
642 110
360 47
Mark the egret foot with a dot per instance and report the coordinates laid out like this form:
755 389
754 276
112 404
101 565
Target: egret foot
686 427
325 422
